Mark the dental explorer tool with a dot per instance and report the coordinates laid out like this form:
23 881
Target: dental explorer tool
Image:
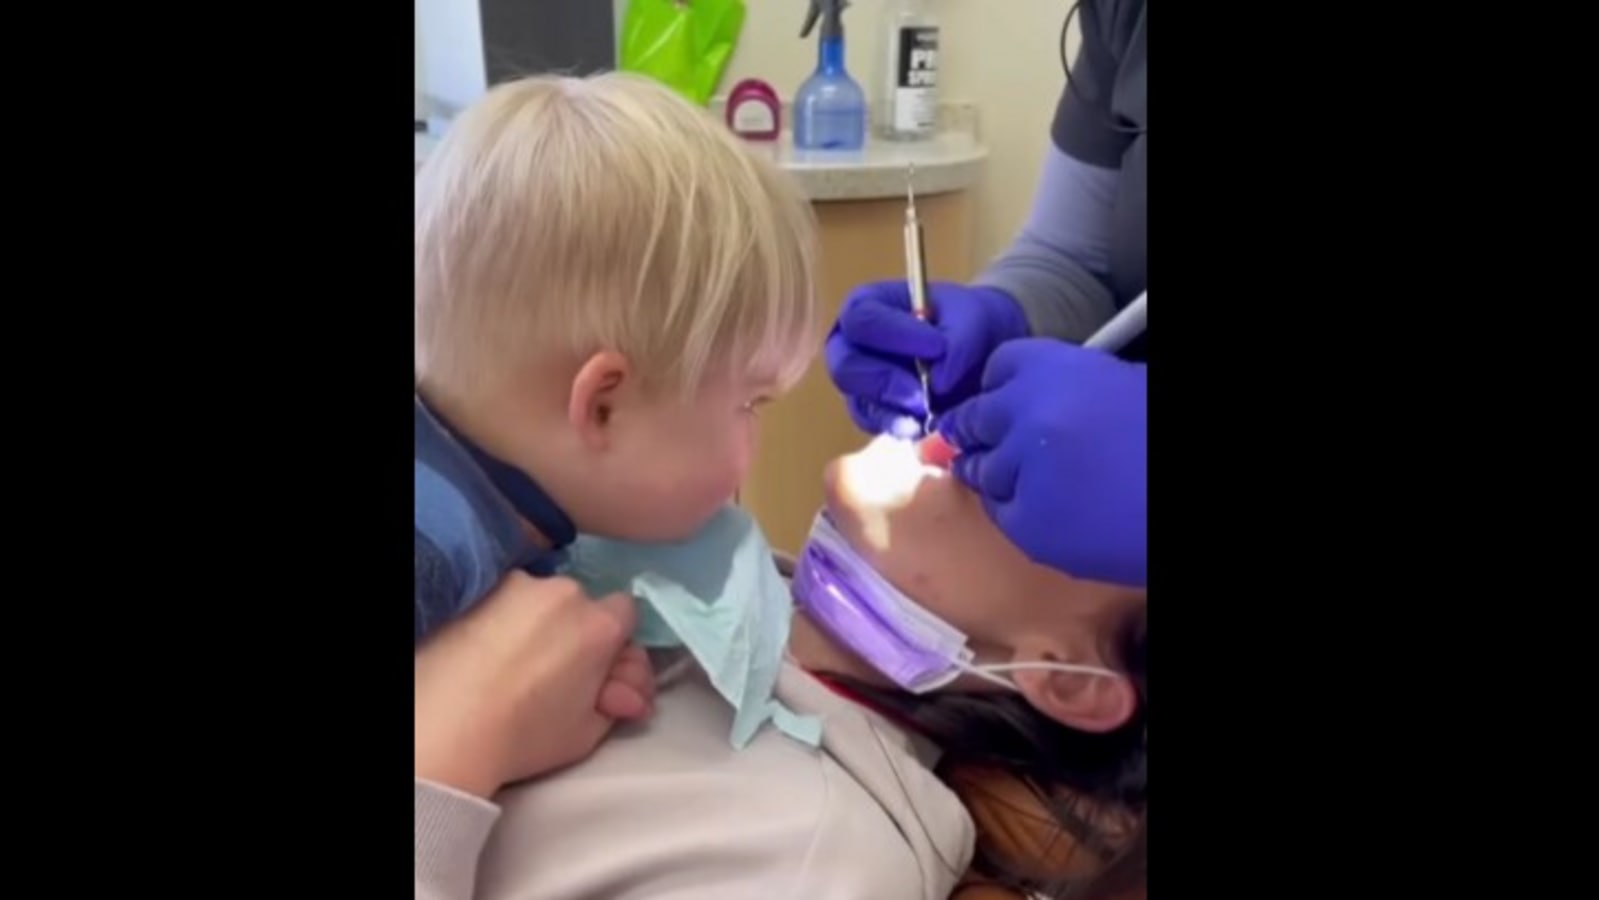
916 278
1128 324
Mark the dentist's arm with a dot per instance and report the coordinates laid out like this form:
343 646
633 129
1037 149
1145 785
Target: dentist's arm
1050 282
1056 267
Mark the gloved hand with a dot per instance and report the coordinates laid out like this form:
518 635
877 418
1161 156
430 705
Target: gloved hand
871 348
1056 445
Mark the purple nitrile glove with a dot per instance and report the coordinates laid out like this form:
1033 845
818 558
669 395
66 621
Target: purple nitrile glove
872 348
1056 445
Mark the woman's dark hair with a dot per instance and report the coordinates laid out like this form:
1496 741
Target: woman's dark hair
1092 785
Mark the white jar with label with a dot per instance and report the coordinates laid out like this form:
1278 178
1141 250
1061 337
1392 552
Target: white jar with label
907 93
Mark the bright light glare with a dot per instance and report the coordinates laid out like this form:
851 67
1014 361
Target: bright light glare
881 478
905 428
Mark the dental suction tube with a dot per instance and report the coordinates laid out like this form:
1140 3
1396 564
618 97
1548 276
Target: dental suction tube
1118 332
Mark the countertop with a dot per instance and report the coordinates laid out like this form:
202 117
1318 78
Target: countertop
951 161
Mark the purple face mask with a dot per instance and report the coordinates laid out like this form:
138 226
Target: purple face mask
857 607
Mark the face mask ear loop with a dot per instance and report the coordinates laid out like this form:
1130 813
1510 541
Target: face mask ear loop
1068 668
986 671
981 673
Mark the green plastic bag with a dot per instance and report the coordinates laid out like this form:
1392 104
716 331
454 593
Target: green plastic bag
684 44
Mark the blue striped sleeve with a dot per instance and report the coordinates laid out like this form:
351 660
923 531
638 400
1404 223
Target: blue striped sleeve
437 593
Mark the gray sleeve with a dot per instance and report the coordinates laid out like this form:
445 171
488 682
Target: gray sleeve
451 829
1056 266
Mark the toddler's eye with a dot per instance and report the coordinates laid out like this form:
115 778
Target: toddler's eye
754 405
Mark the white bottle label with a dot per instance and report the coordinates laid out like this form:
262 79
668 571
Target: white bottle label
915 98
752 117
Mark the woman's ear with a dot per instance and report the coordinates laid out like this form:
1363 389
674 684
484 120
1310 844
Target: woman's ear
1087 702
594 395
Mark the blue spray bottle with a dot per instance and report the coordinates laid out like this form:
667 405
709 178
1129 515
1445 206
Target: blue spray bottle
830 108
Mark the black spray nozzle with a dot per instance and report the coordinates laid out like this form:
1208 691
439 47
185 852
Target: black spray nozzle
832 14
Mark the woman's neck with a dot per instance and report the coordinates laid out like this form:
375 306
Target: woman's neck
842 672
819 654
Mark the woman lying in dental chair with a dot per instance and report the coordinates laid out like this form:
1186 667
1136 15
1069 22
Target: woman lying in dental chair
993 743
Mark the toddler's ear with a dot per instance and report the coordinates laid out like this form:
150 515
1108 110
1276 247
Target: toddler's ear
594 395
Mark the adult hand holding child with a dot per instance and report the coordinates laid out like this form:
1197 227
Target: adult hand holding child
529 680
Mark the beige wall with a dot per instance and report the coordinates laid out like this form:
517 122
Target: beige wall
1002 55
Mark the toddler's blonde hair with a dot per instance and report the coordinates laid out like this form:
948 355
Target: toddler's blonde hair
572 215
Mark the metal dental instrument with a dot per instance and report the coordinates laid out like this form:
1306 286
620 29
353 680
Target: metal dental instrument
1128 324
916 277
